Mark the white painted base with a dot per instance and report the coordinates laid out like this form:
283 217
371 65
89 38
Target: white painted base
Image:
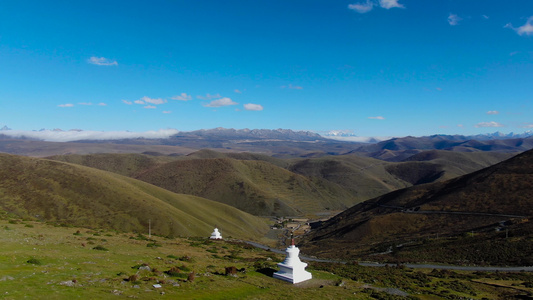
293 274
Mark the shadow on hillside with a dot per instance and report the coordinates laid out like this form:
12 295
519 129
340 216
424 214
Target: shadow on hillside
267 271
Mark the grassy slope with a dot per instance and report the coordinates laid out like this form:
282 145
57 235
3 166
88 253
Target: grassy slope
258 184
448 164
72 194
505 188
254 186
363 177
70 268
123 164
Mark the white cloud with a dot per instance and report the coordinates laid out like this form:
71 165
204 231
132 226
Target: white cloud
150 107
527 125
167 112
99 104
485 17
221 102
76 135
138 102
489 124
388 4
102 61
155 101
493 112
454 19
237 91
127 102
66 105
362 7
526 29
209 97
251 106
182 97
377 118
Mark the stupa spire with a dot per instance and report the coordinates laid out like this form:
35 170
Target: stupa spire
292 238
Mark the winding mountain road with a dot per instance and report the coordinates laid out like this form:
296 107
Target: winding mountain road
412 266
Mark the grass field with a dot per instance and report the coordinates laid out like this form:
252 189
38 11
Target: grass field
41 261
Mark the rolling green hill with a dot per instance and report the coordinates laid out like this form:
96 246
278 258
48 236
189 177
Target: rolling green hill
253 186
76 195
440 165
123 164
362 177
265 185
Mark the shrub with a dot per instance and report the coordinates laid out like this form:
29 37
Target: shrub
34 261
101 248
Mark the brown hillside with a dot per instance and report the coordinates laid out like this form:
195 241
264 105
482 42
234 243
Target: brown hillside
499 193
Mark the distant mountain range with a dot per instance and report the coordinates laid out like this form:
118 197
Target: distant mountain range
236 134
347 135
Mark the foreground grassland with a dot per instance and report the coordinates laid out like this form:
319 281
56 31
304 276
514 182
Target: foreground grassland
41 261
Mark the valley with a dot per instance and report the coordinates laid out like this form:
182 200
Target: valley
432 206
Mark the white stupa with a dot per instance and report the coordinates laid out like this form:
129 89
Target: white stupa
292 269
216 235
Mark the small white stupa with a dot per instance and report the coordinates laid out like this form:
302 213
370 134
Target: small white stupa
292 269
216 235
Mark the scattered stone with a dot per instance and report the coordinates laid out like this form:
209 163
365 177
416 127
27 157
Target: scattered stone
68 283
145 268
5 278
157 286
116 292
136 286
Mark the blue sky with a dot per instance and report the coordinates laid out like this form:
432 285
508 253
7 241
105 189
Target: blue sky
377 68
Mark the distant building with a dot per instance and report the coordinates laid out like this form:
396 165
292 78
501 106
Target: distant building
216 235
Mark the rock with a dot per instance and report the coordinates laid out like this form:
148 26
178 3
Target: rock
68 283
116 292
5 278
145 268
